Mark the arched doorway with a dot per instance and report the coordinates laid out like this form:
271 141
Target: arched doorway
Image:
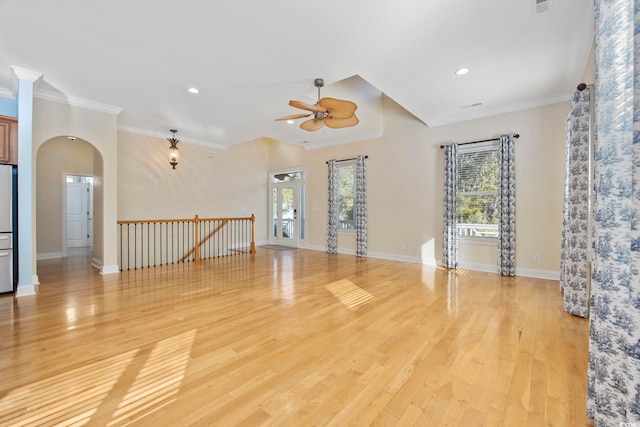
63 165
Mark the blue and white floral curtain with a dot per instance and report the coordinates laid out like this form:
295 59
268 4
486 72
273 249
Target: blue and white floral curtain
361 207
574 280
450 208
614 346
507 204
332 223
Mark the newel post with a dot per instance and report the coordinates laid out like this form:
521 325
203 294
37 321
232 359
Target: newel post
253 234
196 230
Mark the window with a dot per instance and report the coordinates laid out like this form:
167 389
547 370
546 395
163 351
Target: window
477 192
287 176
346 196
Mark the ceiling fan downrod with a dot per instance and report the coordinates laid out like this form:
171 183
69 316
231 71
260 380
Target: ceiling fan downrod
318 83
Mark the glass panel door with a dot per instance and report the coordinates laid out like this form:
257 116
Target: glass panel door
285 206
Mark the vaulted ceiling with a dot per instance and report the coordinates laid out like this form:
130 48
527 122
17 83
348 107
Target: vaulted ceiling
248 58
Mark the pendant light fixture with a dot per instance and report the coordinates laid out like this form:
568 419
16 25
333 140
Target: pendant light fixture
173 150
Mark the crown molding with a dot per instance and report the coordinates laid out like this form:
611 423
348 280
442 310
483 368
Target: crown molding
24 74
164 135
494 111
77 102
7 93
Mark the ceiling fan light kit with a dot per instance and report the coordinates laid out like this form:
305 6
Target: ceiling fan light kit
331 112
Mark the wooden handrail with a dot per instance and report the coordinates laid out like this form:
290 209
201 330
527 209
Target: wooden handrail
151 221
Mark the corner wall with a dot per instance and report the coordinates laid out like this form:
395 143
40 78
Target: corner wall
53 119
56 158
207 182
404 176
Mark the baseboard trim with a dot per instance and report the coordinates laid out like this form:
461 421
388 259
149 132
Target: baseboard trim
538 274
25 290
487 268
49 255
109 269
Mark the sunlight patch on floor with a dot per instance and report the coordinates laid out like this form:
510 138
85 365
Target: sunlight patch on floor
74 394
77 396
349 293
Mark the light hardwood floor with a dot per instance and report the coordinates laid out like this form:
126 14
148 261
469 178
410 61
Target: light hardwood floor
290 338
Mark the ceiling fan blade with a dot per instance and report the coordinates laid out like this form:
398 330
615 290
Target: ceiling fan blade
334 123
308 107
294 116
312 124
339 109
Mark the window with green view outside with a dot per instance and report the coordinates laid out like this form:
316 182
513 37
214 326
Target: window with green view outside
346 196
478 192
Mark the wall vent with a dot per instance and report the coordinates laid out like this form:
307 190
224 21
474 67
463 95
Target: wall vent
542 6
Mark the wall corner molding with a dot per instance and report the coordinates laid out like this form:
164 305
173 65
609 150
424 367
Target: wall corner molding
109 269
26 290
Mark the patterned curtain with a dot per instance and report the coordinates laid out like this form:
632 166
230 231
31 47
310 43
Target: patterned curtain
575 240
361 207
332 226
507 207
614 347
450 209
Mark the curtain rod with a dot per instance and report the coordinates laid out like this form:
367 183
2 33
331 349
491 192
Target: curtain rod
346 160
515 135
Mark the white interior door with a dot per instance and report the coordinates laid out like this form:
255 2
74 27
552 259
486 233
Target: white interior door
285 213
77 214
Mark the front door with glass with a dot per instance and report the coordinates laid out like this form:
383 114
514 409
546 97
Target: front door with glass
287 209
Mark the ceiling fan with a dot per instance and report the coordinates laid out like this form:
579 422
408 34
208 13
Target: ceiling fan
334 113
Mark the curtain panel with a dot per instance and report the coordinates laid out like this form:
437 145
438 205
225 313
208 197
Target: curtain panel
332 222
450 208
507 206
361 207
614 346
575 240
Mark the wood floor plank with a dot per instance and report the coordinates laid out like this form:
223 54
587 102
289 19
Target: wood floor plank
290 338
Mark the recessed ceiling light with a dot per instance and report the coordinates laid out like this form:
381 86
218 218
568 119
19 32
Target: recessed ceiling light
290 122
461 71
193 90
72 138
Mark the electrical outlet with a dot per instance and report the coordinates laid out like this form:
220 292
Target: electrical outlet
536 258
404 246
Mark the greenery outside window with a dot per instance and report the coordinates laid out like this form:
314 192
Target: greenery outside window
346 196
477 192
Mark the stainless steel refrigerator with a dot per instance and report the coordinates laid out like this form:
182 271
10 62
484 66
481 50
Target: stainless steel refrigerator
8 218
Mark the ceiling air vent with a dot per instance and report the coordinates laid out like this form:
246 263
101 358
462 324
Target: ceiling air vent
542 6
475 104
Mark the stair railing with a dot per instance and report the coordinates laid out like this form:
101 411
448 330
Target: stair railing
148 243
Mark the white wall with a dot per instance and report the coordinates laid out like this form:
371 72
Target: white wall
206 182
55 158
53 119
405 171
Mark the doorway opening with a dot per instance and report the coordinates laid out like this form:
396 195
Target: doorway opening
78 215
287 218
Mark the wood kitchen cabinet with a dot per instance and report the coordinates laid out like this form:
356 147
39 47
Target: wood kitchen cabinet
8 140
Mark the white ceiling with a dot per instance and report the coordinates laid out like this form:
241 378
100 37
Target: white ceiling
248 58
